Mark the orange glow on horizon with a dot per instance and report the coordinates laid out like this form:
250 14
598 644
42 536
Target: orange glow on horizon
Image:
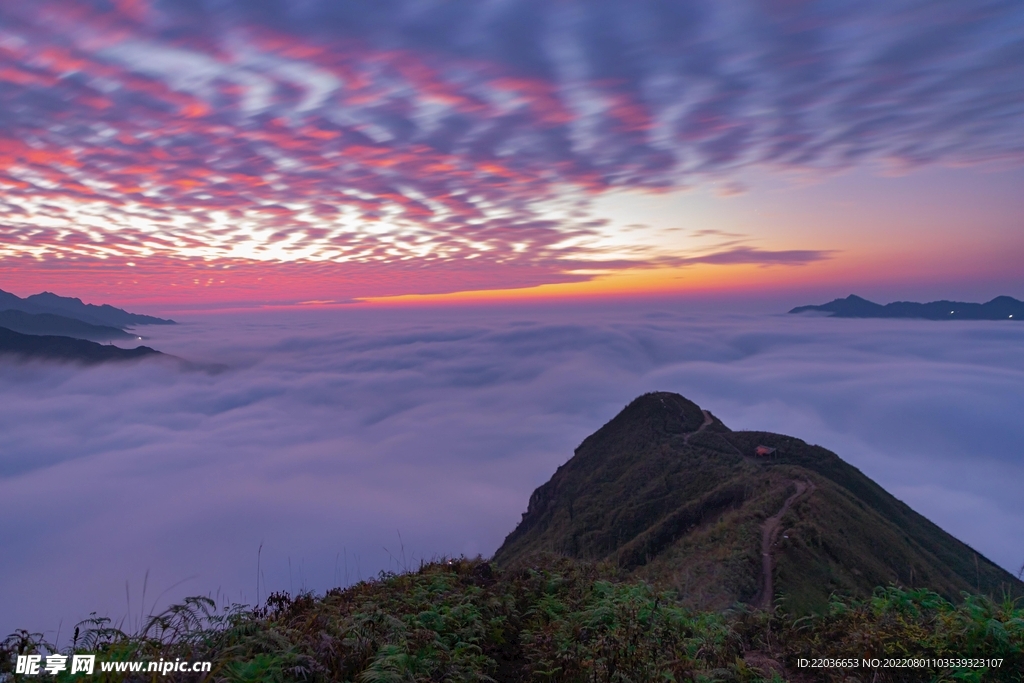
654 282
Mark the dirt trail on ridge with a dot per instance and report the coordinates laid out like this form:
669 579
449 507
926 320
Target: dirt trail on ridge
707 422
771 528
769 534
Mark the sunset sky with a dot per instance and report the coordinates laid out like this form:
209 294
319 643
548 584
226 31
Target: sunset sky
232 153
291 179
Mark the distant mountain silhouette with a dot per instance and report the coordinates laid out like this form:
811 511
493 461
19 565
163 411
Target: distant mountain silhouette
48 347
50 324
1000 308
70 307
670 495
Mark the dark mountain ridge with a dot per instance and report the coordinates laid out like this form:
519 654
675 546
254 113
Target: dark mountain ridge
49 347
999 308
669 494
70 307
59 325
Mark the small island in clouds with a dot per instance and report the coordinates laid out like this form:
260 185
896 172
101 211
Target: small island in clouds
50 327
853 306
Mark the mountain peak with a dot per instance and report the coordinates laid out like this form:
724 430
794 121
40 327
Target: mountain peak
669 494
73 307
669 412
49 296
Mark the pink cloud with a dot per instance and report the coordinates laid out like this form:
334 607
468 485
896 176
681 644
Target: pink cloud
256 135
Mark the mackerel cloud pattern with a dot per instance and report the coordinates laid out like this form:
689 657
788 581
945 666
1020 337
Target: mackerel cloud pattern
401 134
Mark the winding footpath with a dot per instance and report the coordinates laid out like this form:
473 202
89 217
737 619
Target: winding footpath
771 528
707 422
769 534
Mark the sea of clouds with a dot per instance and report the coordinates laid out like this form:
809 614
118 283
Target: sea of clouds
339 443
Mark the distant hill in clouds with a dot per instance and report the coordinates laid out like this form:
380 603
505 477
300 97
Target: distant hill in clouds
1000 308
50 324
70 307
49 347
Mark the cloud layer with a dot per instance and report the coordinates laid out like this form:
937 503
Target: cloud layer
466 133
347 442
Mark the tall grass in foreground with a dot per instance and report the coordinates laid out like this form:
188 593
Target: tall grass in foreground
463 621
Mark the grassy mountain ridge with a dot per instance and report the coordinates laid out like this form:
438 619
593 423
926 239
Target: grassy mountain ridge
560 620
585 591
667 492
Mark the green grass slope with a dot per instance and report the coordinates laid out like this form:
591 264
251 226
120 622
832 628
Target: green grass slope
564 621
669 494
